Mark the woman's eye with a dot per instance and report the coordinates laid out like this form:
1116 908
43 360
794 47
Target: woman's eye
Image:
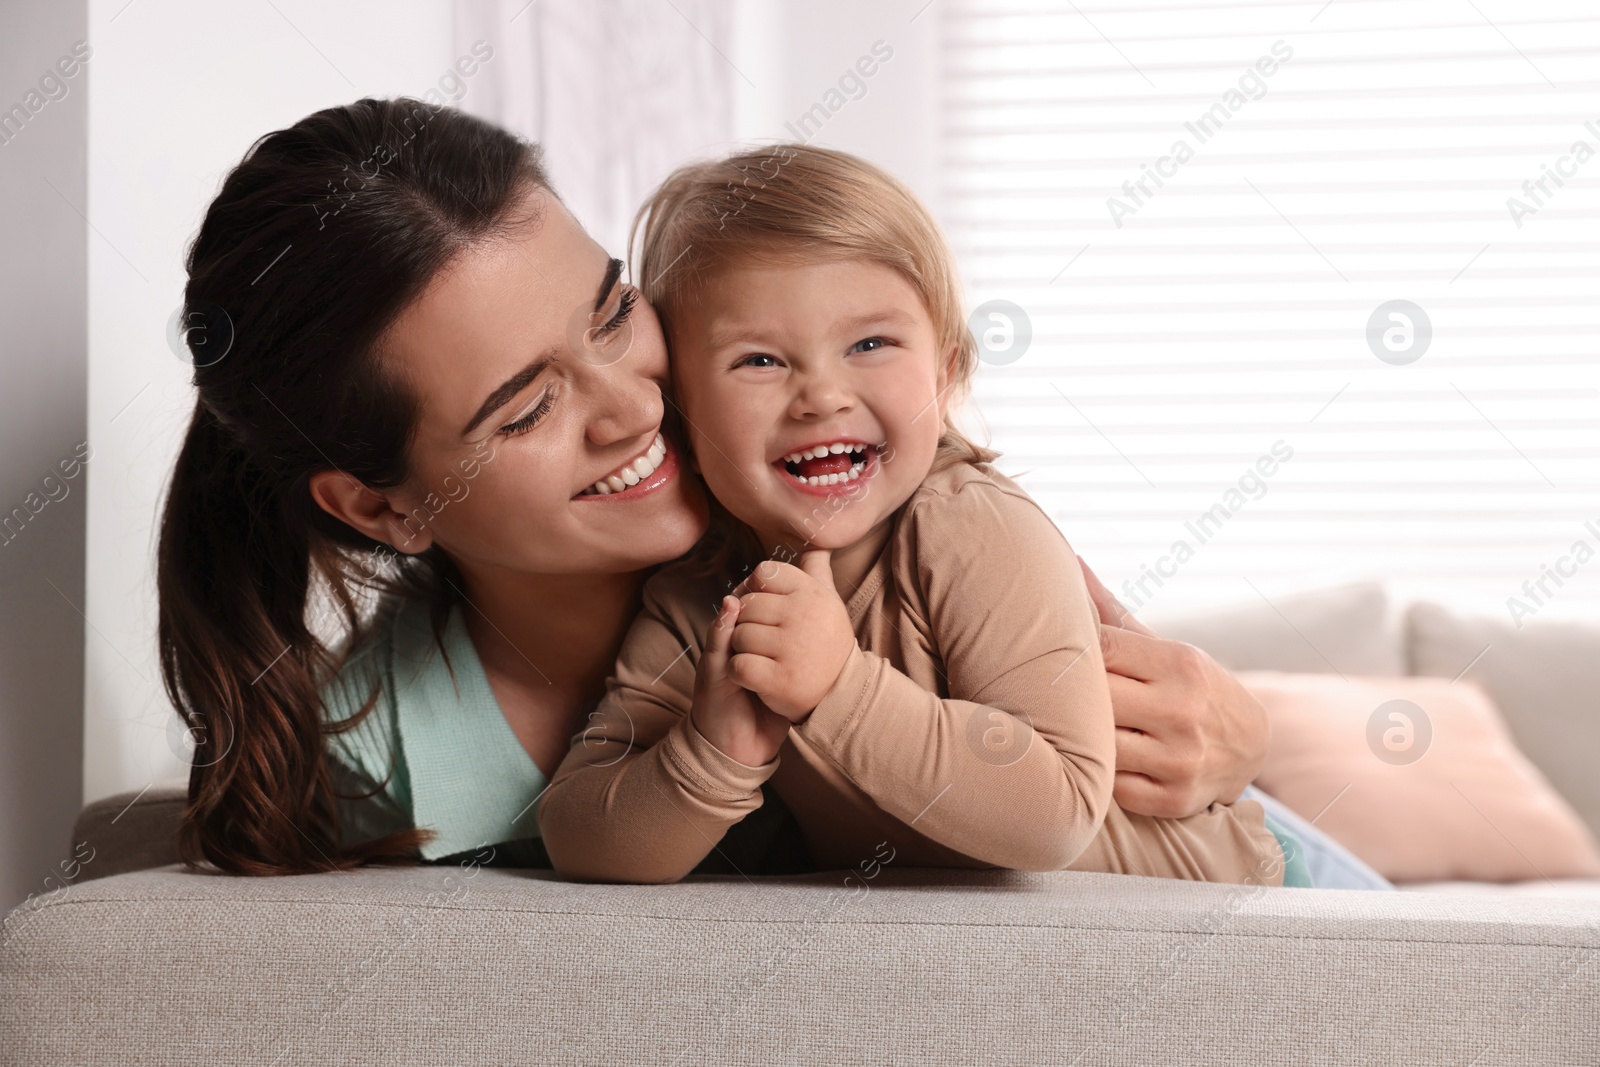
871 344
625 305
531 419
757 359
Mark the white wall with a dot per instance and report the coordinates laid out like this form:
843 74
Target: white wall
181 89
42 304
790 55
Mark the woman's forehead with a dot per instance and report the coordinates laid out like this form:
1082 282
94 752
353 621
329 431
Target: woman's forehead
497 306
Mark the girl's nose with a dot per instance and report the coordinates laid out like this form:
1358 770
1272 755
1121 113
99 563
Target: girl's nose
819 396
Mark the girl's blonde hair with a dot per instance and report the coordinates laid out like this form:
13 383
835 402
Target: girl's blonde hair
793 202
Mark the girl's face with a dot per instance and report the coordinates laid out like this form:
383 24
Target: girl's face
540 377
813 396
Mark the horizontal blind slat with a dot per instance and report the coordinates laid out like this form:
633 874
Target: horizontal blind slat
1225 309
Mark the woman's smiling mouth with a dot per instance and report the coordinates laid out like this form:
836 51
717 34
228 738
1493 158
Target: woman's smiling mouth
649 470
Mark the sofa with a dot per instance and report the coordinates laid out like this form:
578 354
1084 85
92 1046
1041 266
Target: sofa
135 960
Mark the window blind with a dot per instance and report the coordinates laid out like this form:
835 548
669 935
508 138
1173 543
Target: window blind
1197 220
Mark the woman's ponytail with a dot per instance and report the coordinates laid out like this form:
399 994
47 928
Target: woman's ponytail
299 388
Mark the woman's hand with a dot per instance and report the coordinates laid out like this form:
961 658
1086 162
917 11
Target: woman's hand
736 723
1188 734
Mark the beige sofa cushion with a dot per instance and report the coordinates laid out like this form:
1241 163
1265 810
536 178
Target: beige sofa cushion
131 831
1343 630
1545 678
1418 777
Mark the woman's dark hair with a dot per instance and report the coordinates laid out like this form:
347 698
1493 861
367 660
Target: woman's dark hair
316 242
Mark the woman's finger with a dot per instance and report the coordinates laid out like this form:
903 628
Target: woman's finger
1143 796
1132 654
1134 704
1140 753
1112 613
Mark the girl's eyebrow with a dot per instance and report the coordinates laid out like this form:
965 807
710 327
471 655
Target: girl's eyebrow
884 317
720 337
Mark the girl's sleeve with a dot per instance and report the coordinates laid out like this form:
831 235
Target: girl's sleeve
1015 767
642 796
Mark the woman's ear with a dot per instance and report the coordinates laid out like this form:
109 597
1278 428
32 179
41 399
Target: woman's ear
368 511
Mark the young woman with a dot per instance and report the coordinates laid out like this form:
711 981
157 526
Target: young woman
428 369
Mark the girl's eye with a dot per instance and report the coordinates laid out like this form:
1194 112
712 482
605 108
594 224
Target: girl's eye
531 419
755 359
871 344
625 305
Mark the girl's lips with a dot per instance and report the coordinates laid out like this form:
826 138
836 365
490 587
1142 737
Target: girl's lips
869 470
663 474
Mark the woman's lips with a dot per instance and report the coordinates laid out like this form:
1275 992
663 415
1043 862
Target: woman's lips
664 472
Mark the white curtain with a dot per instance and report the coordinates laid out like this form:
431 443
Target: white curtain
1209 211
619 92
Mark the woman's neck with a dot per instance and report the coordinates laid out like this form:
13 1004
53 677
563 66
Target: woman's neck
557 632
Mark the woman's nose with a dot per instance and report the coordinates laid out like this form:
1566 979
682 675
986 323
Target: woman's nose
627 404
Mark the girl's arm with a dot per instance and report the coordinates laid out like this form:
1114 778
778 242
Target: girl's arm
643 795
1015 766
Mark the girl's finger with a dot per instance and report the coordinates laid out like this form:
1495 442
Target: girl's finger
767 608
719 639
758 638
753 672
770 576
818 563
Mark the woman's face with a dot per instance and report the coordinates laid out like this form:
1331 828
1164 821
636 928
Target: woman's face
540 378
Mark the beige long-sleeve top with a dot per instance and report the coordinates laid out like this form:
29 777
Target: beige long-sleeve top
970 727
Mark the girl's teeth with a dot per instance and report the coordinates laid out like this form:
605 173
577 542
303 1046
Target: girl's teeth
617 484
818 451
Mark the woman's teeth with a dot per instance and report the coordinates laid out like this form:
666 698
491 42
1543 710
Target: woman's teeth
631 473
829 470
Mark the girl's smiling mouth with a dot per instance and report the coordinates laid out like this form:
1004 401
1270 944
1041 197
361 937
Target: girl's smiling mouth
828 467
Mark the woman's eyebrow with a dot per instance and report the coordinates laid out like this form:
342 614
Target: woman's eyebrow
507 390
613 272
519 381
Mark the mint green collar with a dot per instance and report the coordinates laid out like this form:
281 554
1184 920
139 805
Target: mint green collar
471 780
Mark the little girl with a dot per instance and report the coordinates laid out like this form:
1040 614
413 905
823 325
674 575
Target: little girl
926 673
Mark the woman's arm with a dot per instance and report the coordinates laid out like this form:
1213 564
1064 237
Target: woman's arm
1188 734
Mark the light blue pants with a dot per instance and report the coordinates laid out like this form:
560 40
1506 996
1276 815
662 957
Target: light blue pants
1331 865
